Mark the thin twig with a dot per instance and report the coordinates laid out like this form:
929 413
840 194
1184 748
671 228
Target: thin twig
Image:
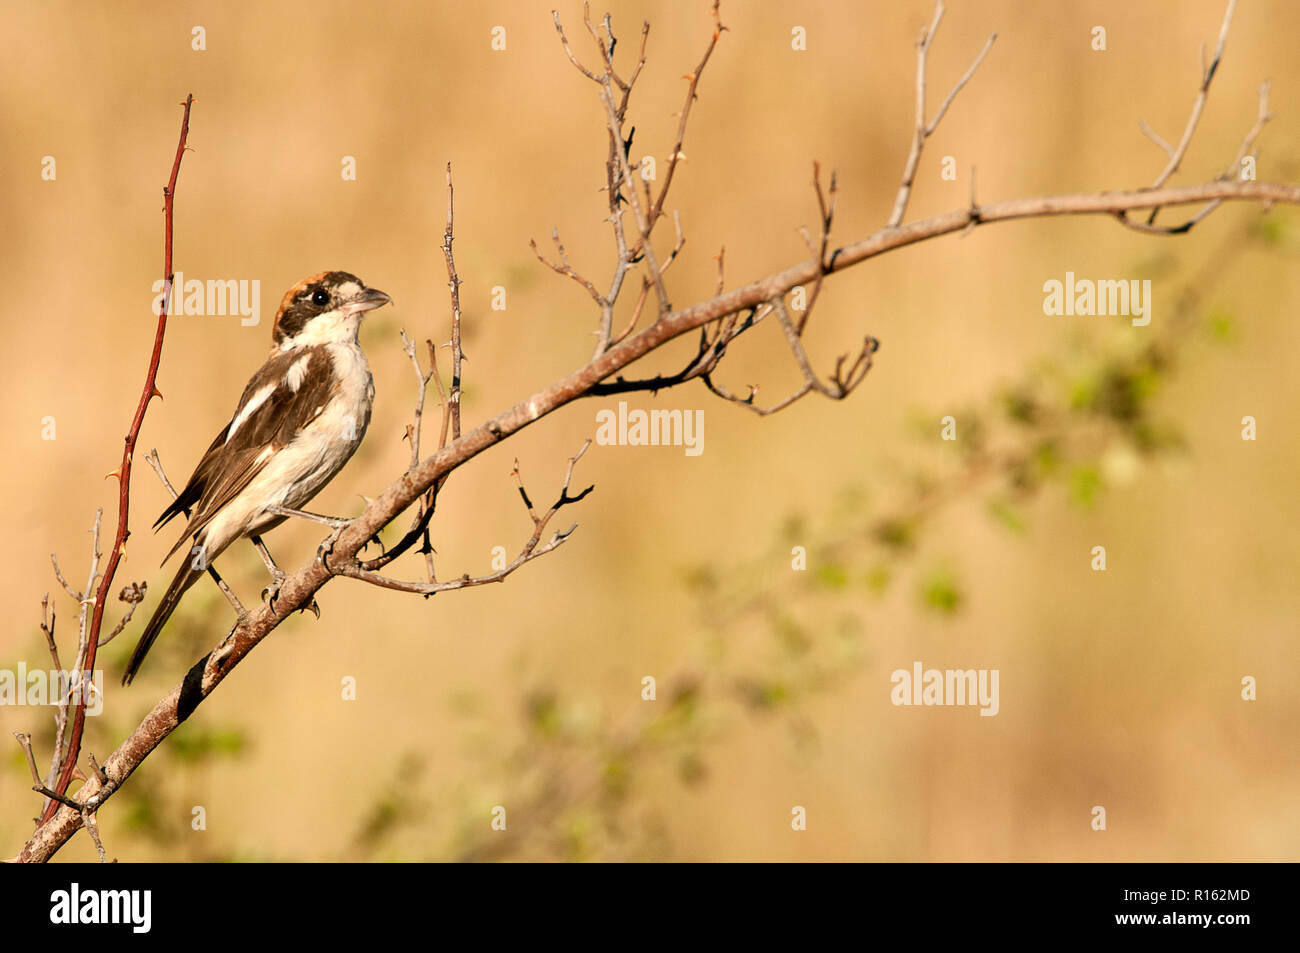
92 825
414 428
684 116
155 461
1177 153
530 551
47 629
1262 118
1198 105
922 130
133 595
419 530
564 268
453 282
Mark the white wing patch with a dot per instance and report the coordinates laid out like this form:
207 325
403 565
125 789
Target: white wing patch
257 400
297 371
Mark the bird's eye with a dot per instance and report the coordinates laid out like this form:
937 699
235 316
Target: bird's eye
320 297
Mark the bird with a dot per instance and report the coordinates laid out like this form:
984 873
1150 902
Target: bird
299 420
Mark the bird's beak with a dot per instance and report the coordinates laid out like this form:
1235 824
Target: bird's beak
368 300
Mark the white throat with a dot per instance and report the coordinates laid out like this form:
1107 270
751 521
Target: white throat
333 328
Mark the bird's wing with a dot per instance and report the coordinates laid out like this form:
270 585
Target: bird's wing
188 496
288 393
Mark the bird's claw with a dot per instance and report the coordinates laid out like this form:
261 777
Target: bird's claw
324 550
271 592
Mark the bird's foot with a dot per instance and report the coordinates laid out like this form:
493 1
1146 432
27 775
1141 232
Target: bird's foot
271 592
326 548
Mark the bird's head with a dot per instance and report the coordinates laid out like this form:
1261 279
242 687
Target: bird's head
324 309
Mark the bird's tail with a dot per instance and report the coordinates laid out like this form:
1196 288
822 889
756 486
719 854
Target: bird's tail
185 578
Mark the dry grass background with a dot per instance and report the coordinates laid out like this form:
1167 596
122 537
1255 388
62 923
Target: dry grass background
1118 689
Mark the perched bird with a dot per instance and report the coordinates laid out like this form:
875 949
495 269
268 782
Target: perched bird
300 419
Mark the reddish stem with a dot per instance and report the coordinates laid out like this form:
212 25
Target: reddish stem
124 473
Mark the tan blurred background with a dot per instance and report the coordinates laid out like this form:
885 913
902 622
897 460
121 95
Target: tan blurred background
1118 689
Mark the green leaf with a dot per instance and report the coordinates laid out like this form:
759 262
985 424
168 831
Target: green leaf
1007 515
195 744
1223 327
791 635
1085 485
832 575
878 579
1270 229
1020 406
896 534
764 694
941 593
1047 458
544 714
616 776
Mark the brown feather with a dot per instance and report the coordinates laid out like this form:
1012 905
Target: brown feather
231 464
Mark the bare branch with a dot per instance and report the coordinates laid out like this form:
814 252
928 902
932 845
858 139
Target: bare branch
636 312
422 379
921 129
132 595
413 432
58 574
25 740
1155 137
840 386
684 116
1262 118
966 78
564 268
92 825
453 282
1177 153
47 629
99 772
1198 106
528 553
148 392
678 243
826 206
568 50
624 176
419 530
